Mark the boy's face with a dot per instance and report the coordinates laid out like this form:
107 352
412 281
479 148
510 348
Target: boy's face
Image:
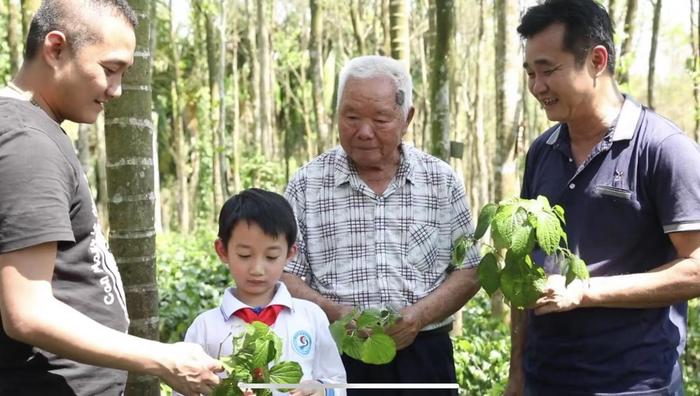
255 260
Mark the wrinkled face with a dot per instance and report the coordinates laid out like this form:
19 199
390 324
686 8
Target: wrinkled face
255 260
90 76
370 122
564 89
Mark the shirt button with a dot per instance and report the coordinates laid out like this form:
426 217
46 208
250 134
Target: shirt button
572 186
571 160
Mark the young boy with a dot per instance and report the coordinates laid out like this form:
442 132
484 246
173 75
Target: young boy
257 232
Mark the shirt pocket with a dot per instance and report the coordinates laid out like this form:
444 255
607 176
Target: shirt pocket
422 246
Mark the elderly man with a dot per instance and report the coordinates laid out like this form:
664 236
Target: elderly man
61 298
378 220
629 182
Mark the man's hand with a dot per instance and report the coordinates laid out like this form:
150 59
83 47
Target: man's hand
338 311
405 330
188 369
558 297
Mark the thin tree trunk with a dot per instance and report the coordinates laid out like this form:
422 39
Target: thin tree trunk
130 179
400 49
695 45
386 27
356 20
265 80
13 39
652 53
235 122
323 141
626 48
214 104
254 79
181 146
481 157
440 83
221 131
29 8
101 175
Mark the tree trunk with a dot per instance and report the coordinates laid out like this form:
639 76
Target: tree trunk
13 39
266 71
400 49
221 131
29 8
254 78
386 28
480 162
439 87
214 104
695 45
177 127
626 47
129 136
235 121
355 19
652 53
323 141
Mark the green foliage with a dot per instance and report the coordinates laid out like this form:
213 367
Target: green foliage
254 351
191 280
256 171
482 351
518 226
362 336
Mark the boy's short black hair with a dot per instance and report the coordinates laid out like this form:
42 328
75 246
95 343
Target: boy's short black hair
269 210
586 24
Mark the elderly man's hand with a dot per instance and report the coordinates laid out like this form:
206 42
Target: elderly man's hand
338 311
558 297
405 330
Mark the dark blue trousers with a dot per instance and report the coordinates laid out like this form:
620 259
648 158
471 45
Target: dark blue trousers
428 360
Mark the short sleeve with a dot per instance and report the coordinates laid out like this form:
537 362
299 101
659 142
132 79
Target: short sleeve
294 193
36 185
675 183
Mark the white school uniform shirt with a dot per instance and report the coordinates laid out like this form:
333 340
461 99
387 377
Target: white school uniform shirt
302 326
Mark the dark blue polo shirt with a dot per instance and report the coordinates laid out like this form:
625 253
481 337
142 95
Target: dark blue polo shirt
641 182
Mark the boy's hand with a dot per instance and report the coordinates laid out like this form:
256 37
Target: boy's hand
308 391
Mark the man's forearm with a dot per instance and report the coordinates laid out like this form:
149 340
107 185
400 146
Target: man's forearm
459 287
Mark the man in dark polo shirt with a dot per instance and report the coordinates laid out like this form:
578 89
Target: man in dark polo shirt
629 181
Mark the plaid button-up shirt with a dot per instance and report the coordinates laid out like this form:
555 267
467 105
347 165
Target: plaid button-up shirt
364 249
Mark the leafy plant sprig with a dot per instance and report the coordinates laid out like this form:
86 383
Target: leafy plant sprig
254 350
362 336
517 227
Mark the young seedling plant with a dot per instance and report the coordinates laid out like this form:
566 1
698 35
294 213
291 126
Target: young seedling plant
517 227
361 335
256 359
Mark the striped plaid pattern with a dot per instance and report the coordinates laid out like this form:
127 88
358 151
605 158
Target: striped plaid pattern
368 250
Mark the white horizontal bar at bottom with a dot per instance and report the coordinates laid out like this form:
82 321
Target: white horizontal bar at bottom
316 385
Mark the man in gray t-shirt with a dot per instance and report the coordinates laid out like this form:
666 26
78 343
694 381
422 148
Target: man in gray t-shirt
62 306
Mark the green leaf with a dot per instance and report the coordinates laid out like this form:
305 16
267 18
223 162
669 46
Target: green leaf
576 268
369 318
339 333
352 346
489 275
523 240
559 211
378 349
227 387
485 217
459 252
522 282
507 219
548 232
287 372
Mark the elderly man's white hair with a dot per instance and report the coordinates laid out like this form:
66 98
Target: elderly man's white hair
372 66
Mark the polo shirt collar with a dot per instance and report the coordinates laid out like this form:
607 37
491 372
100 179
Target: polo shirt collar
231 304
345 169
624 128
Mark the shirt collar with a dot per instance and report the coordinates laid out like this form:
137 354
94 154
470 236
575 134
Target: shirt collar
231 304
345 169
624 128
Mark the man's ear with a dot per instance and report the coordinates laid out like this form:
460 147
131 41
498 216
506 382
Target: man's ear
55 46
599 59
409 118
220 248
292 252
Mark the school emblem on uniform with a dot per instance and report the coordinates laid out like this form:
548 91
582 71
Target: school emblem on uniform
301 342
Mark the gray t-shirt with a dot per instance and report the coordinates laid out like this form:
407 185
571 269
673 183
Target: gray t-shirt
44 197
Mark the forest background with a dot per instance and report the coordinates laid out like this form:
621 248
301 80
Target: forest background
230 94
